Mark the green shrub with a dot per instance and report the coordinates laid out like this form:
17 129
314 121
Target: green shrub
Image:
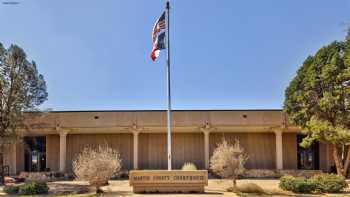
287 183
11 189
329 183
304 186
297 184
325 183
189 166
33 188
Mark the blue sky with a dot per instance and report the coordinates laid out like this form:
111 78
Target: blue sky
226 54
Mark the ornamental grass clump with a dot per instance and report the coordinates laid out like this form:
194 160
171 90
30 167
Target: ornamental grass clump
97 165
228 160
189 166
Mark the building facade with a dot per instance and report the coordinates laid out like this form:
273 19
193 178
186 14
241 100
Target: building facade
54 139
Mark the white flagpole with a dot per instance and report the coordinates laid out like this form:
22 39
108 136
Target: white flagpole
169 117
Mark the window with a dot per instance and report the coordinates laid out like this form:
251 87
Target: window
308 158
35 154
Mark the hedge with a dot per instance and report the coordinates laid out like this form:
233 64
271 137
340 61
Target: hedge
329 183
297 184
325 183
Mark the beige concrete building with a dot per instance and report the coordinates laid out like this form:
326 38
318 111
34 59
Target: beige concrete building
55 138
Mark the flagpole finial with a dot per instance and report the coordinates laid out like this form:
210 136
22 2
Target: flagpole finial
167 4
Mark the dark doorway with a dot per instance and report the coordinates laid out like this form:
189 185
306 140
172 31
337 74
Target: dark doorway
308 158
35 154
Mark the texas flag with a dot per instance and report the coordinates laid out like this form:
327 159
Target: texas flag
158 37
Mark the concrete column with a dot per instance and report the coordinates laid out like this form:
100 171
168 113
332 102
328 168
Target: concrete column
206 149
13 166
63 150
279 149
136 149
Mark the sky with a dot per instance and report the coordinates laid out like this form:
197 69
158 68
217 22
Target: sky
227 54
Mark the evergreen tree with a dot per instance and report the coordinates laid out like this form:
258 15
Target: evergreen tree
318 100
22 88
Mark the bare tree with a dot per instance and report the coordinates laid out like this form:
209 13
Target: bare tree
228 160
97 165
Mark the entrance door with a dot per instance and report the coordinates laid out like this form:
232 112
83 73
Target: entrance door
308 158
35 154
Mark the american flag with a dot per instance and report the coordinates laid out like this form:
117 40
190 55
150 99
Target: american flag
158 36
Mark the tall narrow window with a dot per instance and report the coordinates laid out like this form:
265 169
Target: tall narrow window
35 154
308 158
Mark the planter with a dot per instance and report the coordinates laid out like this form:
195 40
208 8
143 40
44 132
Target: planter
164 181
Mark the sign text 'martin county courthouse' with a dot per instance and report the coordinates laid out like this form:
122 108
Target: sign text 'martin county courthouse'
169 178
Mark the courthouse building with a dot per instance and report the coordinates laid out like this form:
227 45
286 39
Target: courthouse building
54 139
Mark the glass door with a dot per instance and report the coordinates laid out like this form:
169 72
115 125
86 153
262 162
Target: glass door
35 154
308 158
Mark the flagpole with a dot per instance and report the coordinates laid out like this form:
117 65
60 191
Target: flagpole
169 117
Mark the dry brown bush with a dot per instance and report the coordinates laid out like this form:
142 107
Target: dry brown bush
248 188
253 189
97 165
228 160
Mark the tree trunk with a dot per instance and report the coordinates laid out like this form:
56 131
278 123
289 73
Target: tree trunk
98 190
338 161
2 174
234 184
2 177
347 161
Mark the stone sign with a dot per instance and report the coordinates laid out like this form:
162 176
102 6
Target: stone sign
168 181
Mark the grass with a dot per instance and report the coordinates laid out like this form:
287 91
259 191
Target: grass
69 195
76 195
252 195
259 195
